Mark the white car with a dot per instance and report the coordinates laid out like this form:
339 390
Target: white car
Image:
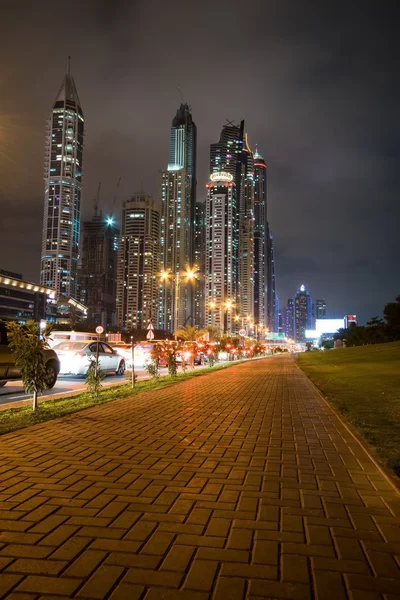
74 358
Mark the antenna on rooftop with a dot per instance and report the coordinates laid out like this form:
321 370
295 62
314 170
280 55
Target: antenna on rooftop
116 193
180 93
69 65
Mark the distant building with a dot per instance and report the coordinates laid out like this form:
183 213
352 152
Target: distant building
22 301
221 272
63 188
98 271
303 313
261 235
138 267
320 309
350 320
200 263
289 319
178 207
271 283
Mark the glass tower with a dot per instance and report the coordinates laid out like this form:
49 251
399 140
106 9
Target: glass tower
178 209
63 188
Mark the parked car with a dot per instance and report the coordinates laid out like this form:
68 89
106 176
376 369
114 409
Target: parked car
75 358
8 369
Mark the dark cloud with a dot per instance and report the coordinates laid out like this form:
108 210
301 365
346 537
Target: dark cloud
317 83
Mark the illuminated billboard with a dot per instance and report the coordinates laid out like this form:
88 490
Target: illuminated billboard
274 335
328 325
312 334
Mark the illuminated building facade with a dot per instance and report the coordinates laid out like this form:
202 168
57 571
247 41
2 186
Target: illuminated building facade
221 268
98 270
200 262
63 188
271 282
178 208
302 313
260 241
138 264
320 309
246 232
289 319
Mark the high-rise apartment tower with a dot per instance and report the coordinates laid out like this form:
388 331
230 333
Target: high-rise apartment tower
138 263
63 188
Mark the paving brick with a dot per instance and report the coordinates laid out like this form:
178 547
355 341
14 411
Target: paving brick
294 568
36 566
329 586
101 582
49 585
201 575
230 587
257 491
178 558
7 582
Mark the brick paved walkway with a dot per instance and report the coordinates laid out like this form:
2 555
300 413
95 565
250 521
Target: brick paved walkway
240 484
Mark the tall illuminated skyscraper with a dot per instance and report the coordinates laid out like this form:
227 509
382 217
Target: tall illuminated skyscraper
63 188
261 235
178 206
302 313
138 263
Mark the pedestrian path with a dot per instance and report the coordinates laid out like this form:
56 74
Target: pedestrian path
237 484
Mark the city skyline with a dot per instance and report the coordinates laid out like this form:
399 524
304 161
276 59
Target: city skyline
322 214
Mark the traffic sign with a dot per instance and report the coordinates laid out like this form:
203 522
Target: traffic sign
150 326
242 332
150 335
99 329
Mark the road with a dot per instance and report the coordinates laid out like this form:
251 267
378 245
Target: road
14 391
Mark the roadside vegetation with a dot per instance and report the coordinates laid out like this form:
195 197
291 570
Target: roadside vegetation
363 383
18 418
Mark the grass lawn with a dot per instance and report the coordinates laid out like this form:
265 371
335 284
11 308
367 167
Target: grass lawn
19 418
363 383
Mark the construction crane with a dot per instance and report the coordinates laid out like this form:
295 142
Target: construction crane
96 200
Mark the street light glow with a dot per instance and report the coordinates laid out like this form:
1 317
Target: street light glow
110 221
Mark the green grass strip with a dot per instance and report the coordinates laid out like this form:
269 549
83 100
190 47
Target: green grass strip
363 383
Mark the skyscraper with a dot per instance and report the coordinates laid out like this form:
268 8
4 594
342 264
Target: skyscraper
271 282
303 313
260 241
138 263
200 262
63 188
289 319
221 271
98 271
246 232
320 309
178 206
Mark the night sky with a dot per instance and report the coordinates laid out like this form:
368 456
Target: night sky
316 82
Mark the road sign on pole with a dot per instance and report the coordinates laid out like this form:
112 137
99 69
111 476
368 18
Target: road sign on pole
99 329
150 335
242 332
150 326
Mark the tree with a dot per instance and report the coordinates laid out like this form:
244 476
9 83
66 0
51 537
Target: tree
190 333
28 343
391 312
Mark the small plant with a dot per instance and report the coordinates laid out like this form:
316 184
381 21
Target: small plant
27 343
152 366
94 376
171 362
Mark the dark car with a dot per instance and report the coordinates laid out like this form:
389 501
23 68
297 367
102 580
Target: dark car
8 370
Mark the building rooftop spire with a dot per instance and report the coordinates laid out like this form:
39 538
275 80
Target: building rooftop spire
68 91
